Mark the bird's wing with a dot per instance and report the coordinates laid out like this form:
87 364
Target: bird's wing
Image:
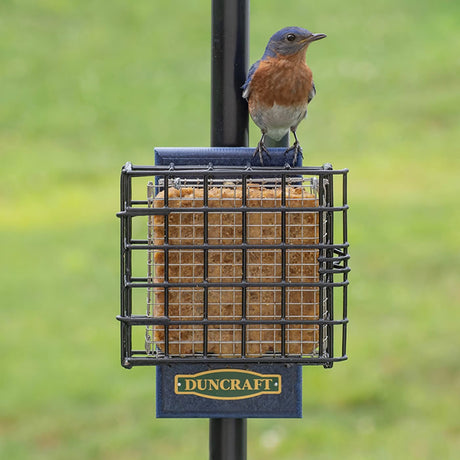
312 93
246 86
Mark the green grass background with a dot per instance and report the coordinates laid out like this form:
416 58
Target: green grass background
86 86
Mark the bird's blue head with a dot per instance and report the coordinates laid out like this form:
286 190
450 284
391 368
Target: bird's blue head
290 40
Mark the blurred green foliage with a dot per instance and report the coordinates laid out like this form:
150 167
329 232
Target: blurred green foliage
88 85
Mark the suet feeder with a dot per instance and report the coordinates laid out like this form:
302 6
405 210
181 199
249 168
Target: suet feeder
233 275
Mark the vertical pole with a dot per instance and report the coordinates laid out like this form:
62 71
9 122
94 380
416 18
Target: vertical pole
227 438
229 128
229 67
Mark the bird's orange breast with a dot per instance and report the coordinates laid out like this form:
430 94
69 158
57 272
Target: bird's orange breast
284 81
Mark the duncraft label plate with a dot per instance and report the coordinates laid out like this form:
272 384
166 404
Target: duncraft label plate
237 391
227 384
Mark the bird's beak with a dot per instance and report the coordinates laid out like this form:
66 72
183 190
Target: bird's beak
314 37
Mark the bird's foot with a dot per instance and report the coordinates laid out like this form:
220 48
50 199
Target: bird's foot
297 151
260 150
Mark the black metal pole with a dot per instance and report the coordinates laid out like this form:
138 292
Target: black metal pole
229 67
229 128
227 438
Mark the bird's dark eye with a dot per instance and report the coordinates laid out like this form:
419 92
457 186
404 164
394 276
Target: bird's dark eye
290 37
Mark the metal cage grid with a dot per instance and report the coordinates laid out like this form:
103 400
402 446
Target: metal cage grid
242 265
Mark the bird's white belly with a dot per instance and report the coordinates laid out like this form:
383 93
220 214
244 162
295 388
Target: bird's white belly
277 120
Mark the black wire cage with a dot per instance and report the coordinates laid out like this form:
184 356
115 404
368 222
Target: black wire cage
233 264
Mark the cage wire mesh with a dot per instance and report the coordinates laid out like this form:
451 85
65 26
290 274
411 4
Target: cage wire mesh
240 264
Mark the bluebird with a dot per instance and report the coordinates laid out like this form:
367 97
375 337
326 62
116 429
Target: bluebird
280 86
